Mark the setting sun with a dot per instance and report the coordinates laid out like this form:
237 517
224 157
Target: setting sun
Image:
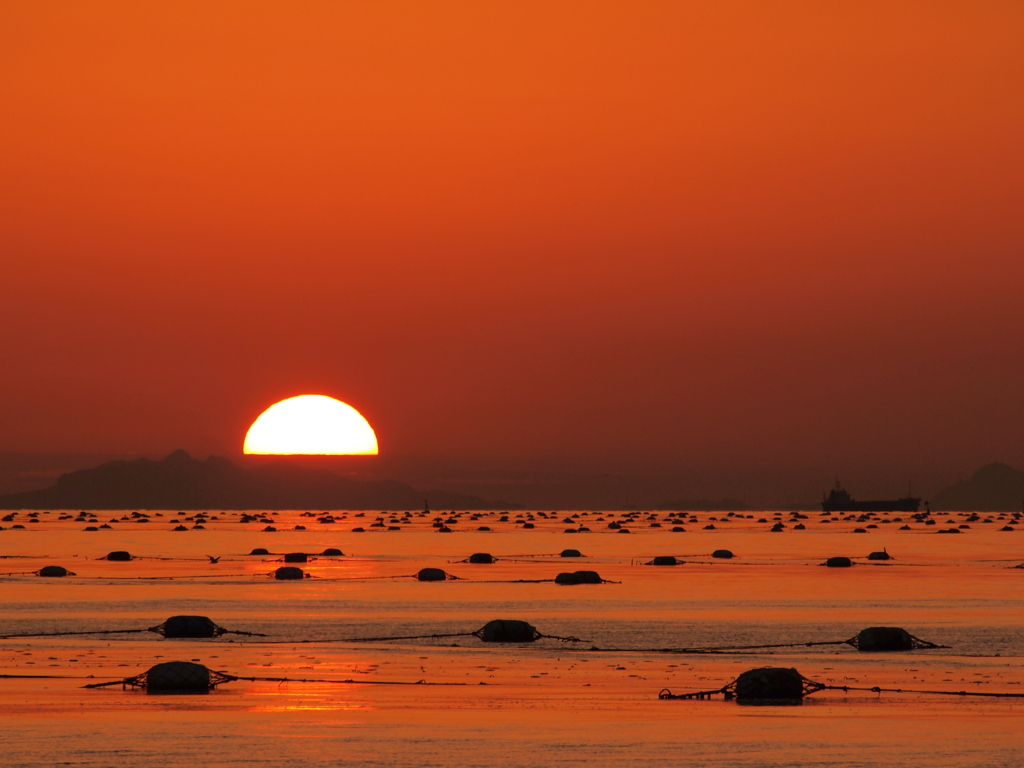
311 424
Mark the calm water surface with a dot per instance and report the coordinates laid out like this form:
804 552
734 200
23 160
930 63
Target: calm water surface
548 703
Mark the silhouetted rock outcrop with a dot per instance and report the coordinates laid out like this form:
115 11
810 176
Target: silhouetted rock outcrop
993 488
181 482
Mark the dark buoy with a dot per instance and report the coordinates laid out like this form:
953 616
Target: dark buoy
578 577
287 572
178 677
119 556
481 557
770 686
839 562
332 552
570 553
884 639
883 555
55 571
664 560
189 626
259 551
431 574
295 557
723 554
508 631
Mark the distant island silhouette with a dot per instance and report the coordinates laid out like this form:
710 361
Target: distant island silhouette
995 487
182 482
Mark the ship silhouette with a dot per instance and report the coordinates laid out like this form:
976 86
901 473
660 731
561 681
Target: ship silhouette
839 500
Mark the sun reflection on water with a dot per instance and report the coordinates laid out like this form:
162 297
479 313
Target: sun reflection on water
304 697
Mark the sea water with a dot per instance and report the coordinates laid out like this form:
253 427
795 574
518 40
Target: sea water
459 702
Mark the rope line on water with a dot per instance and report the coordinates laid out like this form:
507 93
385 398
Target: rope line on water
729 690
916 644
878 689
478 634
48 677
219 678
400 637
158 629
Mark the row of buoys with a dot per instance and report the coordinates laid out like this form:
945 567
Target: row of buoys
437 574
832 562
845 562
763 685
575 577
290 557
475 558
486 558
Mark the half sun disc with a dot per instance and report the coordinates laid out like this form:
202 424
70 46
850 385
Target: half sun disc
311 424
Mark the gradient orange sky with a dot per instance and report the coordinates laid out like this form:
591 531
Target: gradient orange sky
714 233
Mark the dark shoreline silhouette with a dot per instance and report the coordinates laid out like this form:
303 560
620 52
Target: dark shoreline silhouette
182 482
996 487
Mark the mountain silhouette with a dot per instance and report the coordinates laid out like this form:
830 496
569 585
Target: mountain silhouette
993 488
182 482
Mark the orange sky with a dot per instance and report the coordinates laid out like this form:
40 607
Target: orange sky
715 233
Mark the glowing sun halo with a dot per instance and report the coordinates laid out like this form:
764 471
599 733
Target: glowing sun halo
311 424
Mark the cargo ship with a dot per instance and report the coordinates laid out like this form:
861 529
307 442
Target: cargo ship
841 501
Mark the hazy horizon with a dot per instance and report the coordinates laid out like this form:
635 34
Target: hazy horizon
540 483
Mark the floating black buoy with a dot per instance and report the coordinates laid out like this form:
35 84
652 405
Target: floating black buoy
178 677
481 557
578 577
570 553
770 686
722 553
884 639
119 556
839 562
259 551
54 571
664 560
431 574
332 552
287 572
508 631
883 555
295 557
189 626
